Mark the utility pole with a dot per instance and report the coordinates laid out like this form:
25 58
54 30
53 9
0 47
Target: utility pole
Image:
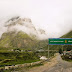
48 51
62 48
48 48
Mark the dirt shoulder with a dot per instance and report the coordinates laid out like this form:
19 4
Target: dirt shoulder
46 65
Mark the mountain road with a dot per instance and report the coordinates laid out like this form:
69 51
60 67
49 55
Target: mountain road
61 66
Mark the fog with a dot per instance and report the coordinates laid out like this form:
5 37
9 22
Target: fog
17 24
54 16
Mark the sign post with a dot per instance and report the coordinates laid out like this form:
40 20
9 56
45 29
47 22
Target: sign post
48 51
59 41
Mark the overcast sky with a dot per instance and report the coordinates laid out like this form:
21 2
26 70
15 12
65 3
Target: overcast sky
54 16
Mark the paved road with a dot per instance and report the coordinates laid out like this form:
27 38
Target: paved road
61 66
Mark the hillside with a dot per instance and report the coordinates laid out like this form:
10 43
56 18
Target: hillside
68 35
21 33
17 40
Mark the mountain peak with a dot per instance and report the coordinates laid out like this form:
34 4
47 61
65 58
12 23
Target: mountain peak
27 20
17 20
18 23
14 18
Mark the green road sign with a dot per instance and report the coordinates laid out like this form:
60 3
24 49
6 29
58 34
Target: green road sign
60 41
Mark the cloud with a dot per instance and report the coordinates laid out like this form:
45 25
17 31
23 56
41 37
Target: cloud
54 16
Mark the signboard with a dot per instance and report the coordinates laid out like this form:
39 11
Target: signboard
60 41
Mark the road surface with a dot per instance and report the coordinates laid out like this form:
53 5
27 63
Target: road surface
61 66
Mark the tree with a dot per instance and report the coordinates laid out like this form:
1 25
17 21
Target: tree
60 50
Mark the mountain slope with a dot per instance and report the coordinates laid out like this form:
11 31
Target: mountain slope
68 35
17 40
21 33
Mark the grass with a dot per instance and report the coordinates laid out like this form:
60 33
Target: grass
17 62
66 58
13 58
23 68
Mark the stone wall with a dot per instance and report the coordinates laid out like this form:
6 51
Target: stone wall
24 65
21 65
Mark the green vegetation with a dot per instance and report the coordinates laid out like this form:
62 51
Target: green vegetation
13 58
12 40
66 58
67 35
17 40
60 51
67 47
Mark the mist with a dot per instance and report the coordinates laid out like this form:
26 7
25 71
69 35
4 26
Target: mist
53 16
25 25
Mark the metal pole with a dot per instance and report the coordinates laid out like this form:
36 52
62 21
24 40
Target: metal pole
48 51
48 48
62 48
